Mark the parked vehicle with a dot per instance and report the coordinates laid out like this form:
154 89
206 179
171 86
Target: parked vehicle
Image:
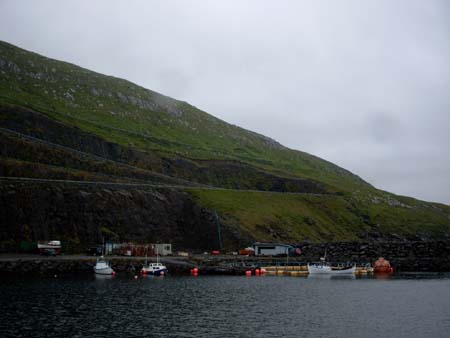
48 252
46 247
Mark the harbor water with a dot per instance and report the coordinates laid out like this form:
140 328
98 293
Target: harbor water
415 305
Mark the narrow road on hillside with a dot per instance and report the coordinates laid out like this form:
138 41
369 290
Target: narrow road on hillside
147 185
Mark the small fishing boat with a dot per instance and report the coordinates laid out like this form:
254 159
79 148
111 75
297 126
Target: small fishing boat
155 269
102 267
324 268
327 269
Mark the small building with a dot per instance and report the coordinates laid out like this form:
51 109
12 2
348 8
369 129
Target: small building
272 249
163 249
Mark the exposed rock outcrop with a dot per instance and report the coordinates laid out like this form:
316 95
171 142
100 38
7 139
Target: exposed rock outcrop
81 215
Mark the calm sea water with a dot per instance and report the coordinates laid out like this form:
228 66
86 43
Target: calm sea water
88 306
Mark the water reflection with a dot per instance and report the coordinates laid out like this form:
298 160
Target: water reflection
331 276
103 277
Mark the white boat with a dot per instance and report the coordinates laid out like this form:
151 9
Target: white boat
102 267
155 269
327 269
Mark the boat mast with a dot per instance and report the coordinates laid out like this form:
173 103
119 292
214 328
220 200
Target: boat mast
146 255
103 246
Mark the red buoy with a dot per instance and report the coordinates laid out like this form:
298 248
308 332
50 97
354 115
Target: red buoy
257 272
263 271
248 273
382 266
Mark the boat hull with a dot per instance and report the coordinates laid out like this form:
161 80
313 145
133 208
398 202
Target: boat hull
154 272
104 271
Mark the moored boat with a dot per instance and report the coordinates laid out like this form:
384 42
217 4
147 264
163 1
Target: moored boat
102 267
324 268
155 269
327 269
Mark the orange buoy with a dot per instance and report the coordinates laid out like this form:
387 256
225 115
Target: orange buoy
257 272
382 265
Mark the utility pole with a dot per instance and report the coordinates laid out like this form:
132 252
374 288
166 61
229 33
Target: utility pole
219 235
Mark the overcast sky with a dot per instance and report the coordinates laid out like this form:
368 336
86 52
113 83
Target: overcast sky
363 84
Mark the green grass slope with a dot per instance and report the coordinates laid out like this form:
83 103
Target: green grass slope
270 216
122 112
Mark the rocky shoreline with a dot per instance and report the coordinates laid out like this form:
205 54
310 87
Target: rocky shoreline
404 256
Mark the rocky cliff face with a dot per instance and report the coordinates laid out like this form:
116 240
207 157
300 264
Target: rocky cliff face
81 215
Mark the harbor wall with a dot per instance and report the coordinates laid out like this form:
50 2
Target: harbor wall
58 265
403 255
433 256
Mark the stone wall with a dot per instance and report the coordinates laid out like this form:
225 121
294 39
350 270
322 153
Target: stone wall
404 256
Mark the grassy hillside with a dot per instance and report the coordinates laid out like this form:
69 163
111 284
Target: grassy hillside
273 216
60 121
124 113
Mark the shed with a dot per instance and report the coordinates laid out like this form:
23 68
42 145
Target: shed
163 249
272 249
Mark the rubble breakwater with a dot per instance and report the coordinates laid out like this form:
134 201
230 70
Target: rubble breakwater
403 255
